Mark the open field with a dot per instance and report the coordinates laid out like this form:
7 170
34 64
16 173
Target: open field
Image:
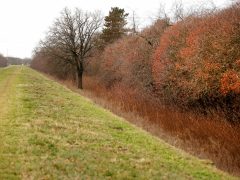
49 132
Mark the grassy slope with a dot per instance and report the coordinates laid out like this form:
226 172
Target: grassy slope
49 132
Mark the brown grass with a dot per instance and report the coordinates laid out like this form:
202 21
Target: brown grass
206 137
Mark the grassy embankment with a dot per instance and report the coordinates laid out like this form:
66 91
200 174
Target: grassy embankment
49 132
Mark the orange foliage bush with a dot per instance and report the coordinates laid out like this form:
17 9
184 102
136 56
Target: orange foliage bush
230 82
193 57
127 61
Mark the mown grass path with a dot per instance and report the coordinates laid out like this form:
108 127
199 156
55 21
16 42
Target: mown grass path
49 132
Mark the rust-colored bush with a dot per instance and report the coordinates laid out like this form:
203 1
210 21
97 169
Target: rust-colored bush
128 60
193 57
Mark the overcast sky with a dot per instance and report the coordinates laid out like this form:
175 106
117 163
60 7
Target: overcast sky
24 22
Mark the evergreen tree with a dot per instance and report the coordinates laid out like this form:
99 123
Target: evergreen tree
114 26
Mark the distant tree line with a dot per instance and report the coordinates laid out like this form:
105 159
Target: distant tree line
18 61
5 61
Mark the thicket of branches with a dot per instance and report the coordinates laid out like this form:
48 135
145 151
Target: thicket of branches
192 62
69 43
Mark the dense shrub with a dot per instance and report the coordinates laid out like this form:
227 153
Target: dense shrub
127 61
192 64
197 60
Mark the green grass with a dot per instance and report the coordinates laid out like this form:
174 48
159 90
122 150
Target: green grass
49 132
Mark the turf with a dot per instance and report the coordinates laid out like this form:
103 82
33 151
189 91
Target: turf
49 132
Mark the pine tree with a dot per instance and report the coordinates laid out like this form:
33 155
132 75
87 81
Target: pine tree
114 26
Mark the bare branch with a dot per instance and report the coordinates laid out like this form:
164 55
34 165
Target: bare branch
71 37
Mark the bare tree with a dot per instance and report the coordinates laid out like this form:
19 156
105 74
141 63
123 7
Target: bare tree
134 24
178 10
71 39
134 30
159 19
161 13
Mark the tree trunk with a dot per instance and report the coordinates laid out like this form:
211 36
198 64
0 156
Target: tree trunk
79 78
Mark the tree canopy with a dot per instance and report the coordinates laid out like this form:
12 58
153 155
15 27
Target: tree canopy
71 39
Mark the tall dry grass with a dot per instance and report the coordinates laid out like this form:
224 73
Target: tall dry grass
204 136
